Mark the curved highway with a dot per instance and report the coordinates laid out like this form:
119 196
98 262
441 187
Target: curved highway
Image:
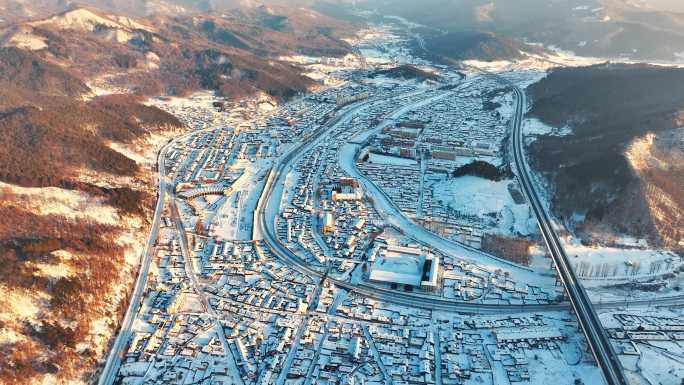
589 321
391 213
264 228
268 208
264 225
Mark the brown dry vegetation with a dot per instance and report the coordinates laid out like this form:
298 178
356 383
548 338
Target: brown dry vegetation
516 250
25 239
55 133
50 136
236 54
42 147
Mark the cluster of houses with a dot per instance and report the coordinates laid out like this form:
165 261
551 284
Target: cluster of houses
462 126
243 275
172 324
230 312
402 183
334 352
466 281
407 158
325 216
634 331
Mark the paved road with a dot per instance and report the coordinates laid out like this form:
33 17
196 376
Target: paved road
282 377
264 228
378 358
192 278
589 321
120 344
438 354
117 350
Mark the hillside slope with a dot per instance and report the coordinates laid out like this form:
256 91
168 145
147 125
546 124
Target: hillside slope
79 150
639 30
235 54
74 211
605 183
468 45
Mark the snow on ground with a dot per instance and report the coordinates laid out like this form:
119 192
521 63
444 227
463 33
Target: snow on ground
660 361
477 196
407 23
533 128
559 362
199 99
606 265
142 150
391 160
85 20
68 203
26 39
549 367
660 368
507 104
18 305
537 63
100 88
393 217
320 67
233 220
57 268
383 45
133 239
190 303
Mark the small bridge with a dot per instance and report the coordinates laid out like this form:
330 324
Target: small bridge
212 189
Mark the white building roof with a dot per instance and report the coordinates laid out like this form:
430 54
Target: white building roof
403 266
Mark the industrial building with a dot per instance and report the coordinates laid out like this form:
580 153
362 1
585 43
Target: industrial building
404 266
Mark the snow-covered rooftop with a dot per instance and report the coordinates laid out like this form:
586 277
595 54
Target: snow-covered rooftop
401 265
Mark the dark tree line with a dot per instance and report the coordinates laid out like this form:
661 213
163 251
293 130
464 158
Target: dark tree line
483 170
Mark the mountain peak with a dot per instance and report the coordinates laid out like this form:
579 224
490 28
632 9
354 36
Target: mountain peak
85 19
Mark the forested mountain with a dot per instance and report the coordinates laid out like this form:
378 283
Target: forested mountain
620 170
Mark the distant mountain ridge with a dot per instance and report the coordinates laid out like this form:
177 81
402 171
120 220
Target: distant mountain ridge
235 54
596 28
485 46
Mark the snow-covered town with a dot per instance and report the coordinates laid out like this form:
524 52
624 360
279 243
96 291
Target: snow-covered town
338 239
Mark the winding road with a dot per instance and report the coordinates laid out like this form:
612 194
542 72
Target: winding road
264 229
268 209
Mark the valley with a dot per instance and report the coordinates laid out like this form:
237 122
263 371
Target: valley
298 192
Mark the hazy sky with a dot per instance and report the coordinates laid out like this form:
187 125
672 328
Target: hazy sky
668 5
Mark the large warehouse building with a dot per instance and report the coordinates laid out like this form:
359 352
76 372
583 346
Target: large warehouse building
404 266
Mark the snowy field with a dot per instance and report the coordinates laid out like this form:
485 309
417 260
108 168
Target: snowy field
533 128
391 160
603 266
383 45
485 198
234 218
